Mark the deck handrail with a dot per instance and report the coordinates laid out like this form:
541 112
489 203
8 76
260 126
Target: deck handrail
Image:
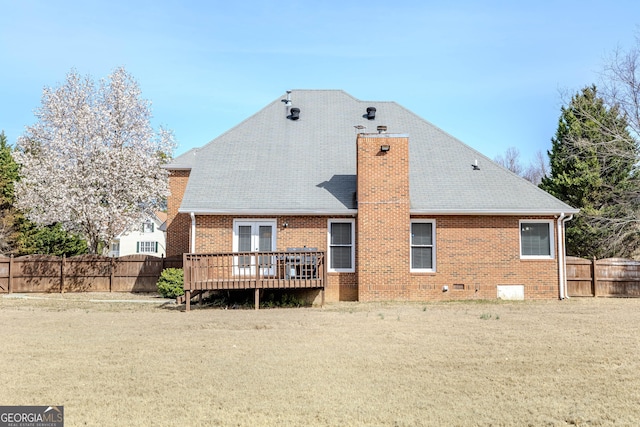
253 270
283 268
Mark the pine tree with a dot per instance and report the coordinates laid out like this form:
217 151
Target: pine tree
8 215
592 160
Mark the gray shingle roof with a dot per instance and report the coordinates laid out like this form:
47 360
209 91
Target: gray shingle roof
184 161
269 164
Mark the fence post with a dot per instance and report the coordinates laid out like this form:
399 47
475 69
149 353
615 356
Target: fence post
62 262
594 280
112 272
9 285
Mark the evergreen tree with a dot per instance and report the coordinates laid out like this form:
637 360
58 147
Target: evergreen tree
49 240
592 160
19 236
8 176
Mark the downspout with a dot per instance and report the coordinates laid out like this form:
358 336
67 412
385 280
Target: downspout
564 264
193 233
562 219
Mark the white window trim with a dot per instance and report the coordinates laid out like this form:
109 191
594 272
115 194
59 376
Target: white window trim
433 252
353 246
151 225
154 247
552 243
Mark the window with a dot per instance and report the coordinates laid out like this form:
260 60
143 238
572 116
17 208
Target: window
341 237
423 254
147 227
147 247
536 239
115 249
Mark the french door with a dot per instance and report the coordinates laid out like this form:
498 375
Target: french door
254 236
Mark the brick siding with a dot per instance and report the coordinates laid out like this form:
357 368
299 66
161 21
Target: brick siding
475 254
178 224
383 217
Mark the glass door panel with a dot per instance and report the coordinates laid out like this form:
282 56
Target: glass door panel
254 236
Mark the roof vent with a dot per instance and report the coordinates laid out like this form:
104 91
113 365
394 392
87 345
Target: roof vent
295 114
371 113
287 101
381 129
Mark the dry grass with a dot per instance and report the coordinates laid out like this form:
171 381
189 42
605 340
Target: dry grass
552 363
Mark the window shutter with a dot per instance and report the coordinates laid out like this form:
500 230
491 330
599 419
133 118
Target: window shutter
137 247
156 247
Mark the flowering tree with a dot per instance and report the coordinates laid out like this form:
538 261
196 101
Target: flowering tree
92 162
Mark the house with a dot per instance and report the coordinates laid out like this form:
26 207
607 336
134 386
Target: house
401 209
147 238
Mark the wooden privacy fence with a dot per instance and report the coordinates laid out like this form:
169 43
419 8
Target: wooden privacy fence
611 277
84 273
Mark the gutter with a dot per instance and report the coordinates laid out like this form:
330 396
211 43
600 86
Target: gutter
274 212
313 212
192 244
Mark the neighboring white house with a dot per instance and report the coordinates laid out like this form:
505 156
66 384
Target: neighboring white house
147 238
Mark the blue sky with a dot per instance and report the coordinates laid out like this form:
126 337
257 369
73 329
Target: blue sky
490 73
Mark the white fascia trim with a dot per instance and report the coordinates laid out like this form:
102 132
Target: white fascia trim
262 212
176 167
354 212
489 212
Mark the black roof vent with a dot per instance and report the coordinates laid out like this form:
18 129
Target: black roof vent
371 113
295 114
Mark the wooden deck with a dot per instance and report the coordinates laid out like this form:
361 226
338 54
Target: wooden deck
252 270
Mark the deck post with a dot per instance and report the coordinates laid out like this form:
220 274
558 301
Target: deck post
187 301
257 298
322 297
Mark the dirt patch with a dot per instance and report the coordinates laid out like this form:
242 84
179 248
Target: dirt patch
554 363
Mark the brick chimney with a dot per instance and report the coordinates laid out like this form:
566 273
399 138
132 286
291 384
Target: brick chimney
383 217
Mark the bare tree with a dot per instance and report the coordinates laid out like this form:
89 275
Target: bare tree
620 84
537 169
510 160
533 172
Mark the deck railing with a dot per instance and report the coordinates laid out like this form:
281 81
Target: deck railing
253 270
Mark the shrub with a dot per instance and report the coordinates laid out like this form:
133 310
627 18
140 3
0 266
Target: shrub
171 283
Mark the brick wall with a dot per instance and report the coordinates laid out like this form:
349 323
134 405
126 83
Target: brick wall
475 254
215 234
383 217
178 224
